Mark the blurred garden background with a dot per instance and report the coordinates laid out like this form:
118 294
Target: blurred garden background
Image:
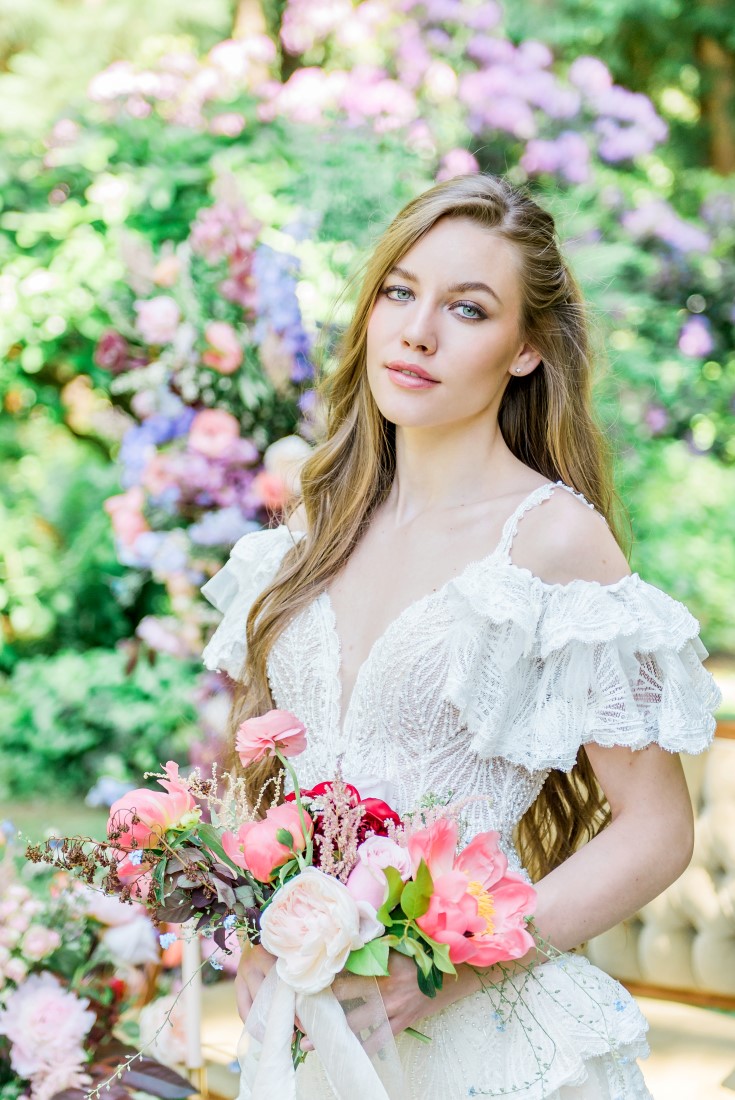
185 188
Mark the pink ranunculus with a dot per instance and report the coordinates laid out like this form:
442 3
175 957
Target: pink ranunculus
259 737
367 881
213 431
141 817
255 848
224 353
158 319
311 925
477 907
126 515
38 942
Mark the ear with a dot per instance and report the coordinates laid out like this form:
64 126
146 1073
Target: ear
525 361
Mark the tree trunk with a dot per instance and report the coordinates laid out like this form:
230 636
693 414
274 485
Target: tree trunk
718 102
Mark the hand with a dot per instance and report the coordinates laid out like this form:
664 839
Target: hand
255 964
404 1002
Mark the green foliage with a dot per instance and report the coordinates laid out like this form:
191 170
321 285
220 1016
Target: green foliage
61 584
67 719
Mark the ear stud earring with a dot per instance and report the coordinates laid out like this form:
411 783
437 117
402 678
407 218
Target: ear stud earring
518 370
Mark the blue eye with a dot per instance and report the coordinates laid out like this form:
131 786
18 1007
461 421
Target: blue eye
398 289
477 311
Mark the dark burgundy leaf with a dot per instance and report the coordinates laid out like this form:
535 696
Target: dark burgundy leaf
157 1080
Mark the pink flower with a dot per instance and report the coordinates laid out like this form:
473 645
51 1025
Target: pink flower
158 319
126 515
45 1025
478 907
255 848
271 489
38 942
213 431
367 881
167 271
259 737
311 925
111 352
225 350
162 1040
16 970
140 818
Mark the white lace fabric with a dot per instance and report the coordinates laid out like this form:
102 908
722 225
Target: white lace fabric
476 691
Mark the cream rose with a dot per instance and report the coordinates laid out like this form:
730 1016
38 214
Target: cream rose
311 925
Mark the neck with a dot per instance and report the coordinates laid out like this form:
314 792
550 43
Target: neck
446 467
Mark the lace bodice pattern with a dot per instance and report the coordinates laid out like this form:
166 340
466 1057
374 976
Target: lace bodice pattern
477 691
481 687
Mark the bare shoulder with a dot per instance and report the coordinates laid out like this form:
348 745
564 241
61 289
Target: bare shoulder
564 539
296 521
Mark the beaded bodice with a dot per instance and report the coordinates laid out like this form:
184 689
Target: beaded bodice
478 689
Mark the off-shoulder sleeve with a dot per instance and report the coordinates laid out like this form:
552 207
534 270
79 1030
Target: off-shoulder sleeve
537 670
253 562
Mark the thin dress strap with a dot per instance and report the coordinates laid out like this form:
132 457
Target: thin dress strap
536 497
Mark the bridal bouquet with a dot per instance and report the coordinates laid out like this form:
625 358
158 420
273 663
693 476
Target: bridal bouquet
325 880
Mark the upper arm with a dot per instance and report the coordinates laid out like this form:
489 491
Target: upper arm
563 539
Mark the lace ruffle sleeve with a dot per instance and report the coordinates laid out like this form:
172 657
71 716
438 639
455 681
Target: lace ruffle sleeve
253 562
537 670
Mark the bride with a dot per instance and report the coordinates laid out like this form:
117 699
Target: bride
449 613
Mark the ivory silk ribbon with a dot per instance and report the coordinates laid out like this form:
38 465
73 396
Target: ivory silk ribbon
264 1050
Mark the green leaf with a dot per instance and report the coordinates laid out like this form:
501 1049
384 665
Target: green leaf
415 950
440 952
370 961
416 893
426 985
283 836
395 889
213 842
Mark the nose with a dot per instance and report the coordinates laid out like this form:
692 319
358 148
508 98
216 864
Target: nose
418 330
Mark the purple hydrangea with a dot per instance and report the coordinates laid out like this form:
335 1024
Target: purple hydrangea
278 307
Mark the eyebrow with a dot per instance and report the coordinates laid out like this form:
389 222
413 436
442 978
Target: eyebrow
456 288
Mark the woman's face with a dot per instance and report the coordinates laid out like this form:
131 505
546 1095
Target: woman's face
465 337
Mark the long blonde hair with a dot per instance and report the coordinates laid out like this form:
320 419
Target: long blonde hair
546 419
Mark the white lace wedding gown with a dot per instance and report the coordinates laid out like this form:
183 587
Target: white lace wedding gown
481 688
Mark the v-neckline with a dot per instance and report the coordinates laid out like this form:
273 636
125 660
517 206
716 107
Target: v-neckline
324 598
327 604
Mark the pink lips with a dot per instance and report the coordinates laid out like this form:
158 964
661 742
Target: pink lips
407 381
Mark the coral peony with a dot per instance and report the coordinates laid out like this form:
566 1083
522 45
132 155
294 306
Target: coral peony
259 737
255 848
140 818
477 906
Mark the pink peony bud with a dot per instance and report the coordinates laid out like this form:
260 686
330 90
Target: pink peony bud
255 846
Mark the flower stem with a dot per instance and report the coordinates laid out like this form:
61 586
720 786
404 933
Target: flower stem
300 806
